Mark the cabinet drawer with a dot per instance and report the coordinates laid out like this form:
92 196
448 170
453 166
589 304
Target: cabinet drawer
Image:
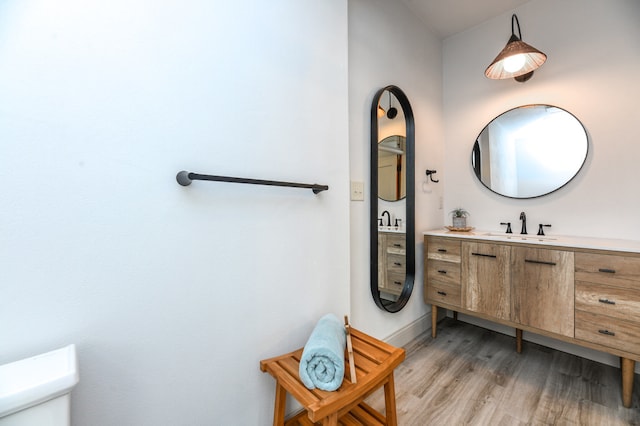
608 300
438 292
443 249
396 263
395 282
447 272
620 271
607 331
396 244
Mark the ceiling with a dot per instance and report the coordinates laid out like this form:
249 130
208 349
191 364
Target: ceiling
448 17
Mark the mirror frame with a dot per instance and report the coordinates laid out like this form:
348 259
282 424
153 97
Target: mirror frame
409 200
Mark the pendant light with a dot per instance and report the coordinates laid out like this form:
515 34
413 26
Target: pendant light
517 60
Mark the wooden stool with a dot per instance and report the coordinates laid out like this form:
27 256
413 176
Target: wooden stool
375 362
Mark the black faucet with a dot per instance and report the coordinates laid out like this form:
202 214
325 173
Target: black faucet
508 227
388 217
541 230
523 218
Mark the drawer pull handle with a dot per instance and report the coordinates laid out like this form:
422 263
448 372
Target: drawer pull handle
607 301
442 250
540 262
397 245
484 255
607 270
442 271
397 263
607 332
397 282
442 293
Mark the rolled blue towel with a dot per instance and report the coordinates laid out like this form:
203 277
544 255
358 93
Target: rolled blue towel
322 362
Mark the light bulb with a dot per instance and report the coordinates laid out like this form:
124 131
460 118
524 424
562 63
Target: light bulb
514 63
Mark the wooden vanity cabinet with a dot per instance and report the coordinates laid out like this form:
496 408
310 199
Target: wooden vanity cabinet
582 296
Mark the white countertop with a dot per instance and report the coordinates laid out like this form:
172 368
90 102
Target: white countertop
548 240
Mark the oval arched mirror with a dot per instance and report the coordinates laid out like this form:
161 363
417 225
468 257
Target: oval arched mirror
392 218
530 151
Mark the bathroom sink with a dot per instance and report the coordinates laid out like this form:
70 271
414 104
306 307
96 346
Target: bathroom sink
518 237
31 381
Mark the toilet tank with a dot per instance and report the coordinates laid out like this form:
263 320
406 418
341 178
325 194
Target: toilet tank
35 391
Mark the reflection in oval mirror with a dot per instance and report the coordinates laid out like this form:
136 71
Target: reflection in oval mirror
392 228
530 151
392 168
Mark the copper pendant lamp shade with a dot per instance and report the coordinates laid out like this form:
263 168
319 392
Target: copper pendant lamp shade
517 60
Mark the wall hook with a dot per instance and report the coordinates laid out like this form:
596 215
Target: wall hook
430 173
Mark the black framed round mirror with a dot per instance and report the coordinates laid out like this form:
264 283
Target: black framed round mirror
530 151
392 195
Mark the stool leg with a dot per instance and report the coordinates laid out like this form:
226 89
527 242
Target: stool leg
330 420
390 402
280 405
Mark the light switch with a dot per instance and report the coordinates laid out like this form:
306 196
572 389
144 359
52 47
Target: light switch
357 191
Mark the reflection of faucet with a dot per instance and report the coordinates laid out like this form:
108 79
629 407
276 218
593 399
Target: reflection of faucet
523 218
388 217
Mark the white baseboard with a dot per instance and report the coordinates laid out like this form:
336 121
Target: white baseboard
409 332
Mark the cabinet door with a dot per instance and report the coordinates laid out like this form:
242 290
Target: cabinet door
542 289
485 279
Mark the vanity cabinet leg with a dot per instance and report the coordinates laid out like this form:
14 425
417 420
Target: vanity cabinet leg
434 320
628 370
455 315
518 340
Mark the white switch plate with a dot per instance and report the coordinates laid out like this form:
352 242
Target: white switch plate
357 191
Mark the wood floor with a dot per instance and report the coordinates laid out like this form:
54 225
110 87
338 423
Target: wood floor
472 376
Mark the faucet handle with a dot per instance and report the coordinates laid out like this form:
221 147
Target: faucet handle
541 230
508 227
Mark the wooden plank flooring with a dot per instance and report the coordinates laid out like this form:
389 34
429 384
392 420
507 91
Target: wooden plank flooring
472 376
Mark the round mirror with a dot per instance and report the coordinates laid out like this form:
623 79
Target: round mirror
392 227
530 151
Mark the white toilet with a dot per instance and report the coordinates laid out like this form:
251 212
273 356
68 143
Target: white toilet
36 391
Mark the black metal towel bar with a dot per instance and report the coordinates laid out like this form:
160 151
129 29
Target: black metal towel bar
185 178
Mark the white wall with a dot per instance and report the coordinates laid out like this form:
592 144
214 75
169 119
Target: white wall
593 58
171 294
389 45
